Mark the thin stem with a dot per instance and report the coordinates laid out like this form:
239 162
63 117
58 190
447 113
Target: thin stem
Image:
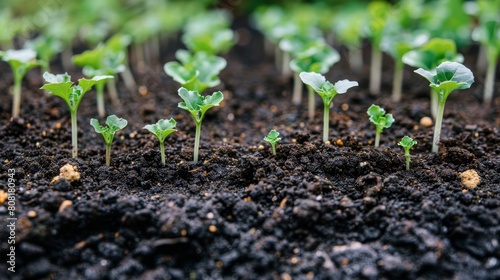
375 70
326 121
66 57
99 87
74 134
162 150
377 137
434 102
355 56
108 155
311 103
16 101
489 82
278 57
397 82
297 89
285 67
407 156
437 127
482 59
273 148
113 93
197 141
128 78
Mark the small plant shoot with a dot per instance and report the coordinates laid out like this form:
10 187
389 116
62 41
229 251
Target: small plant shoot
272 138
446 78
327 91
162 129
21 61
113 124
62 86
380 119
197 105
407 143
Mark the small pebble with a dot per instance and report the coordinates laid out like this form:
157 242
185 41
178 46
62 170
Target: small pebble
65 204
470 178
31 214
426 122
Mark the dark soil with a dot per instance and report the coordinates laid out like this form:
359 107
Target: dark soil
345 210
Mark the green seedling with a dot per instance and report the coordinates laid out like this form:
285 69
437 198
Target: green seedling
197 105
429 56
327 91
21 61
62 86
407 143
380 119
46 48
113 124
102 61
446 78
272 138
196 72
162 129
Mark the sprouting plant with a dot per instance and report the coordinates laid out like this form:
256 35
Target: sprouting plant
162 129
327 91
446 78
198 105
21 61
196 71
272 138
407 143
62 86
380 119
113 124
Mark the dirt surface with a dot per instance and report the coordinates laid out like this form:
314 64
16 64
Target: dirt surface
345 210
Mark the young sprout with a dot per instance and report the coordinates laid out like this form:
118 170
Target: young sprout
162 129
327 91
407 143
446 78
272 138
198 105
380 119
113 124
21 61
62 86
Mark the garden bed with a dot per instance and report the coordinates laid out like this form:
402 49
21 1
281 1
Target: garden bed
339 210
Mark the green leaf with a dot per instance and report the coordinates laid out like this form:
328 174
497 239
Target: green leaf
448 77
379 117
315 80
432 53
162 129
192 100
113 124
343 85
407 142
272 137
181 74
323 87
21 56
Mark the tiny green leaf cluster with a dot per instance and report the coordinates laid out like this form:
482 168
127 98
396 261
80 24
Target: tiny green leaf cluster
380 119
162 129
272 138
113 124
407 143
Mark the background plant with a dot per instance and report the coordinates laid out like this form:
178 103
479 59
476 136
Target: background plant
113 124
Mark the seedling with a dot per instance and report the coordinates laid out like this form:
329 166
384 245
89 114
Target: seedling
407 143
162 129
46 48
21 61
272 138
62 86
198 105
380 119
197 72
446 78
327 91
113 124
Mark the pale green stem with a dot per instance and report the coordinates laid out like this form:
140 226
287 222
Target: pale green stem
377 137
108 154
434 102
99 87
66 57
113 93
326 121
407 157
197 141
74 134
162 150
128 78
355 58
273 148
278 57
489 82
375 71
437 127
297 90
285 67
482 59
16 101
311 103
397 82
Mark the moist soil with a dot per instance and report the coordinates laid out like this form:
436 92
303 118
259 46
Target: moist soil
340 210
